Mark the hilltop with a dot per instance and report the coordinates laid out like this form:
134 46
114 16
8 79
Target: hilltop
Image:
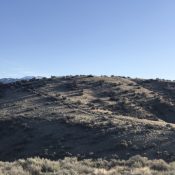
87 117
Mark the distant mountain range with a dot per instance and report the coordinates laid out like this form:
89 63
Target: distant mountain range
12 80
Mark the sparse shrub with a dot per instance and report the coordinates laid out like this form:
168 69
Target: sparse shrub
113 98
123 144
149 126
159 165
58 95
168 125
78 102
131 84
100 82
137 161
93 108
90 76
64 98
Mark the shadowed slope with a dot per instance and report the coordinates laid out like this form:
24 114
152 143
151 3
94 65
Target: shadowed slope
87 117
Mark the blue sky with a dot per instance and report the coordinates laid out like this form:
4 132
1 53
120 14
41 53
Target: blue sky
61 37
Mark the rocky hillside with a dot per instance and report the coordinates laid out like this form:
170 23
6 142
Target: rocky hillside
87 117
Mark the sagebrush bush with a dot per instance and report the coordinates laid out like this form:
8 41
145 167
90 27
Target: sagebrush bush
135 165
159 165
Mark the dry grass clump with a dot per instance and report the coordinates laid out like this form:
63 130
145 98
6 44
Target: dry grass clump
136 165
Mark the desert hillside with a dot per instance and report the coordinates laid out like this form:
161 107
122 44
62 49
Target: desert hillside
87 117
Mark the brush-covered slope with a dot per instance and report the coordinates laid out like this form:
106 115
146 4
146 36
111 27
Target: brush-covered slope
87 117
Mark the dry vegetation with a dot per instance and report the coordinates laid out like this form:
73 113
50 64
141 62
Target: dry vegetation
98 120
134 166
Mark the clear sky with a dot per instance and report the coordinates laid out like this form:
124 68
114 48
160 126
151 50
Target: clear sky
61 37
